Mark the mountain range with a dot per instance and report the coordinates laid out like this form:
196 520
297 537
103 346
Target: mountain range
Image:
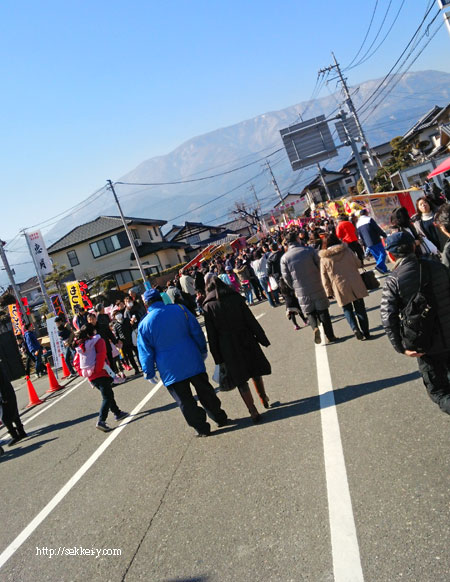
245 145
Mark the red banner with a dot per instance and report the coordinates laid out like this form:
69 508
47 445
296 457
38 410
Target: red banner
85 295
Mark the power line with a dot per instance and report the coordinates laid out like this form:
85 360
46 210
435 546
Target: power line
394 80
366 56
380 85
404 72
366 35
204 177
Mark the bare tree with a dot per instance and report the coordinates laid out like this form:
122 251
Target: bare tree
248 214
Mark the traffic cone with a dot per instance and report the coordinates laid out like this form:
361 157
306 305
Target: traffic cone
54 386
34 399
65 369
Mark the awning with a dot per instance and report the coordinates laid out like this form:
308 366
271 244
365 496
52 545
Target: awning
443 167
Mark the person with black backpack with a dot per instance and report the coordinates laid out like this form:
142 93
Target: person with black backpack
415 312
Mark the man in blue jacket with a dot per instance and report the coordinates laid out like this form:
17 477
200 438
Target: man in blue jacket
370 233
34 348
171 341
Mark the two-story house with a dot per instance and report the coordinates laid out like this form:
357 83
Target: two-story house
101 248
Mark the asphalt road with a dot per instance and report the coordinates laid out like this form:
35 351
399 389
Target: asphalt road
260 502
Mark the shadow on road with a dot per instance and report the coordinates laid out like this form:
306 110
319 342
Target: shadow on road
14 453
144 413
282 410
60 425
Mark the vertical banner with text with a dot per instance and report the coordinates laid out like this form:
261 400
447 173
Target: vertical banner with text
58 306
16 318
74 293
39 252
85 295
55 342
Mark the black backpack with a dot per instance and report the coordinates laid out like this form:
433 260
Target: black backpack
419 318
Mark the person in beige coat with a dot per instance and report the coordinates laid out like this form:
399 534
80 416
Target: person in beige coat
341 279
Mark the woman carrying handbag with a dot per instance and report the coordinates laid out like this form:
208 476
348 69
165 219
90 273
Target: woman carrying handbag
234 337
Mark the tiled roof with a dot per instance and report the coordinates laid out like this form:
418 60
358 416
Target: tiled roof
425 121
97 227
29 284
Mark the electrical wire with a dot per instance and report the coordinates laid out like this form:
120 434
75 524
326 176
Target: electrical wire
204 177
376 49
393 82
380 85
215 198
366 35
375 107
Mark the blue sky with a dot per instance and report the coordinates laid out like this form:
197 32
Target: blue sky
91 89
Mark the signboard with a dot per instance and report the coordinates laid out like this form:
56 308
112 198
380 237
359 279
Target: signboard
16 318
85 295
56 344
308 142
352 129
39 253
74 293
58 306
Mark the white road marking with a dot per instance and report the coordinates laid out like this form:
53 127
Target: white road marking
260 315
40 517
41 410
344 541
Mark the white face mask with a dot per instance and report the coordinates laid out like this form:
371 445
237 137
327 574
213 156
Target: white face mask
130 304
119 317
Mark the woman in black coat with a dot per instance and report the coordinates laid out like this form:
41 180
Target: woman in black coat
234 336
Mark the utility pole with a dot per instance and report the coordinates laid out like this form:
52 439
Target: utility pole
444 5
258 205
322 179
127 230
351 108
358 159
277 190
39 275
11 278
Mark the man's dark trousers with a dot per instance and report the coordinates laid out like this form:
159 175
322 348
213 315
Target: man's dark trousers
193 413
435 369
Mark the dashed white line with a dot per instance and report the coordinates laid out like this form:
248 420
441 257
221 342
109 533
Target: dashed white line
40 517
344 541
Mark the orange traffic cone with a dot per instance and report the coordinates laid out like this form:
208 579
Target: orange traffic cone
65 369
54 386
34 399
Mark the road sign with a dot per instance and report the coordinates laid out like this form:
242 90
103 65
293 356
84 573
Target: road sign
352 128
308 142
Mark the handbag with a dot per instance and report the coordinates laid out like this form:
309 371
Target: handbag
370 281
225 383
134 337
273 283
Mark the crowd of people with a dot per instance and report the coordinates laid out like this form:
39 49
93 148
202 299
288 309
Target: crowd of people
304 268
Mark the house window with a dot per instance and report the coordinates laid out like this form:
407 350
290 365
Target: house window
124 277
107 245
156 229
73 259
150 234
348 180
135 233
